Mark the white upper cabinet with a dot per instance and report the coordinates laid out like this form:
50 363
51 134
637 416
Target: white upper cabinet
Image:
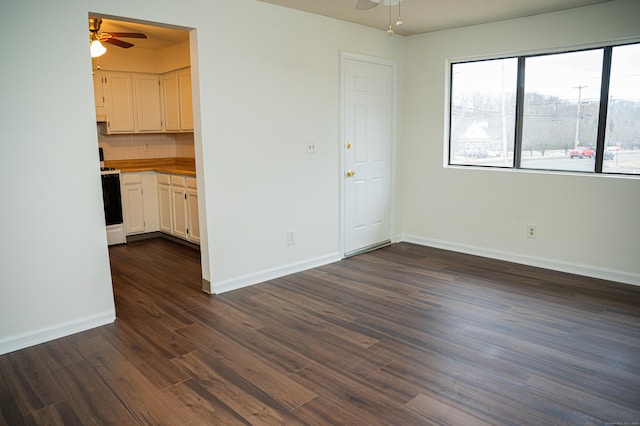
186 102
133 102
171 92
178 108
118 91
148 102
144 102
98 96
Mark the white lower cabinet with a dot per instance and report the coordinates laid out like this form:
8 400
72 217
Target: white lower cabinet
178 206
164 203
139 202
192 210
132 204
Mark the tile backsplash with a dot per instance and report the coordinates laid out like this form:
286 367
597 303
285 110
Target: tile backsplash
136 146
184 145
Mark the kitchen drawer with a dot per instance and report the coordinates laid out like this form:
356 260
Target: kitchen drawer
177 180
131 178
164 179
191 183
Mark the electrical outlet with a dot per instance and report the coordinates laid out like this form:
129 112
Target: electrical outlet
291 238
146 147
311 148
532 231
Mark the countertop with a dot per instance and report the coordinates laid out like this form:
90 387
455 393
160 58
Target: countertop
175 165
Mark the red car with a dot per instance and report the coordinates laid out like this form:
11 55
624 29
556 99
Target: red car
582 152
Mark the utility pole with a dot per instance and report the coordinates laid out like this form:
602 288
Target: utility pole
578 115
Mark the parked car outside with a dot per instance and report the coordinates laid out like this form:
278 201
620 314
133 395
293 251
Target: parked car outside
582 152
476 154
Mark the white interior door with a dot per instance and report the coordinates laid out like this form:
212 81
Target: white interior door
368 112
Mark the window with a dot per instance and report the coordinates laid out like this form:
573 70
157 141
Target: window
622 138
483 104
545 112
561 104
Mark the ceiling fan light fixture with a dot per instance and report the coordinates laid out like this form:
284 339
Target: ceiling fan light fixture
97 49
369 4
399 21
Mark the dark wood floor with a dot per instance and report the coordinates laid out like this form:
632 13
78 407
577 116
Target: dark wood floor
401 336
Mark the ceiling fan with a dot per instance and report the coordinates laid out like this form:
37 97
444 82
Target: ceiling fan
370 4
97 37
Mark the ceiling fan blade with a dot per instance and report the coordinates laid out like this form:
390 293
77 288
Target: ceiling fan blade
128 35
117 42
366 4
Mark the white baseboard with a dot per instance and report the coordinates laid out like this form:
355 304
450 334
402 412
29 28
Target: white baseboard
270 274
21 341
546 263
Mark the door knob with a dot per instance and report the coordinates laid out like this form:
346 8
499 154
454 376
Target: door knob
351 173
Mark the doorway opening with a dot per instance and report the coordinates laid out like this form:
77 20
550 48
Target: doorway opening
144 99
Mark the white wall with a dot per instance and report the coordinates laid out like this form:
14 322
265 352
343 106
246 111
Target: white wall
586 224
54 273
267 94
267 82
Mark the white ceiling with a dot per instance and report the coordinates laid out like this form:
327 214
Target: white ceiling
422 16
419 16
